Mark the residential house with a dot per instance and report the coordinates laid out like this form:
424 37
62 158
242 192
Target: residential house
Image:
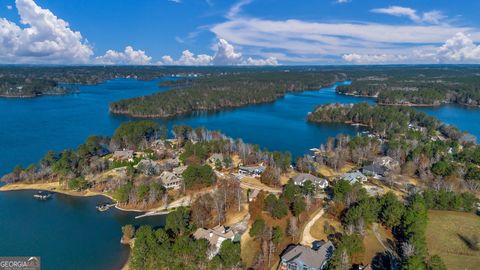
388 162
375 171
215 238
148 167
299 257
301 178
354 177
253 171
213 158
170 180
178 171
123 155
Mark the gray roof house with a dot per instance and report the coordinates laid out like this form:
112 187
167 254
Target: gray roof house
374 170
301 178
257 170
170 180
388 162
178 171
299 257
215 237
124 155
354 177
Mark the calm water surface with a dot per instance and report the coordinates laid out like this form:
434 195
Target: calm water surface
66 231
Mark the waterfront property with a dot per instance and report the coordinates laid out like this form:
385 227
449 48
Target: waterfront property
215 237
375 171
123 155
179 170
301 178
354 177
253 171
170 181
388 162
299 257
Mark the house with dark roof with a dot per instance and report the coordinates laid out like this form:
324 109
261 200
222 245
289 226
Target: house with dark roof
299 257
375 171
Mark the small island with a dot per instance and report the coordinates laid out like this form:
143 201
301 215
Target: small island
223 91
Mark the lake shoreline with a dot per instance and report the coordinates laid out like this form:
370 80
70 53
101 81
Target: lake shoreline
128 113
409 104
55 187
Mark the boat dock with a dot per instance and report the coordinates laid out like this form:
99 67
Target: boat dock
104 207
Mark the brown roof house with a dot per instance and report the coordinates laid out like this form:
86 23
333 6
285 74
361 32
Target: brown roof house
215 238
299 257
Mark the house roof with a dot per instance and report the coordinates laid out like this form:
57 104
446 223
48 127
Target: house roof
374 168
123 154
168 177
216 156
212 235
300 178
353 176
253 169
307 256
180 169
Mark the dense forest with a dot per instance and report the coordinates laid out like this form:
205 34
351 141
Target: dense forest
384 120
417 85
223 91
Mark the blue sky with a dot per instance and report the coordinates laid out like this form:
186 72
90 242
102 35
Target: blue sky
241 32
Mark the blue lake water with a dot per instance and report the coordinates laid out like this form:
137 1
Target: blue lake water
67 232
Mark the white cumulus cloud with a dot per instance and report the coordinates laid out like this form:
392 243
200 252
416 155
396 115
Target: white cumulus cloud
45 38
225 54
459 48
190 59
128 57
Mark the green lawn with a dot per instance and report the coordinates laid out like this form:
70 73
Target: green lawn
444 237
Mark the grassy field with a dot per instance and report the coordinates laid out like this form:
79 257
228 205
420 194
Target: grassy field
370 242
444 237
318 228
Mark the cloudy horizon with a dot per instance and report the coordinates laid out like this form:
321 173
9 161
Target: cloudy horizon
240 32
